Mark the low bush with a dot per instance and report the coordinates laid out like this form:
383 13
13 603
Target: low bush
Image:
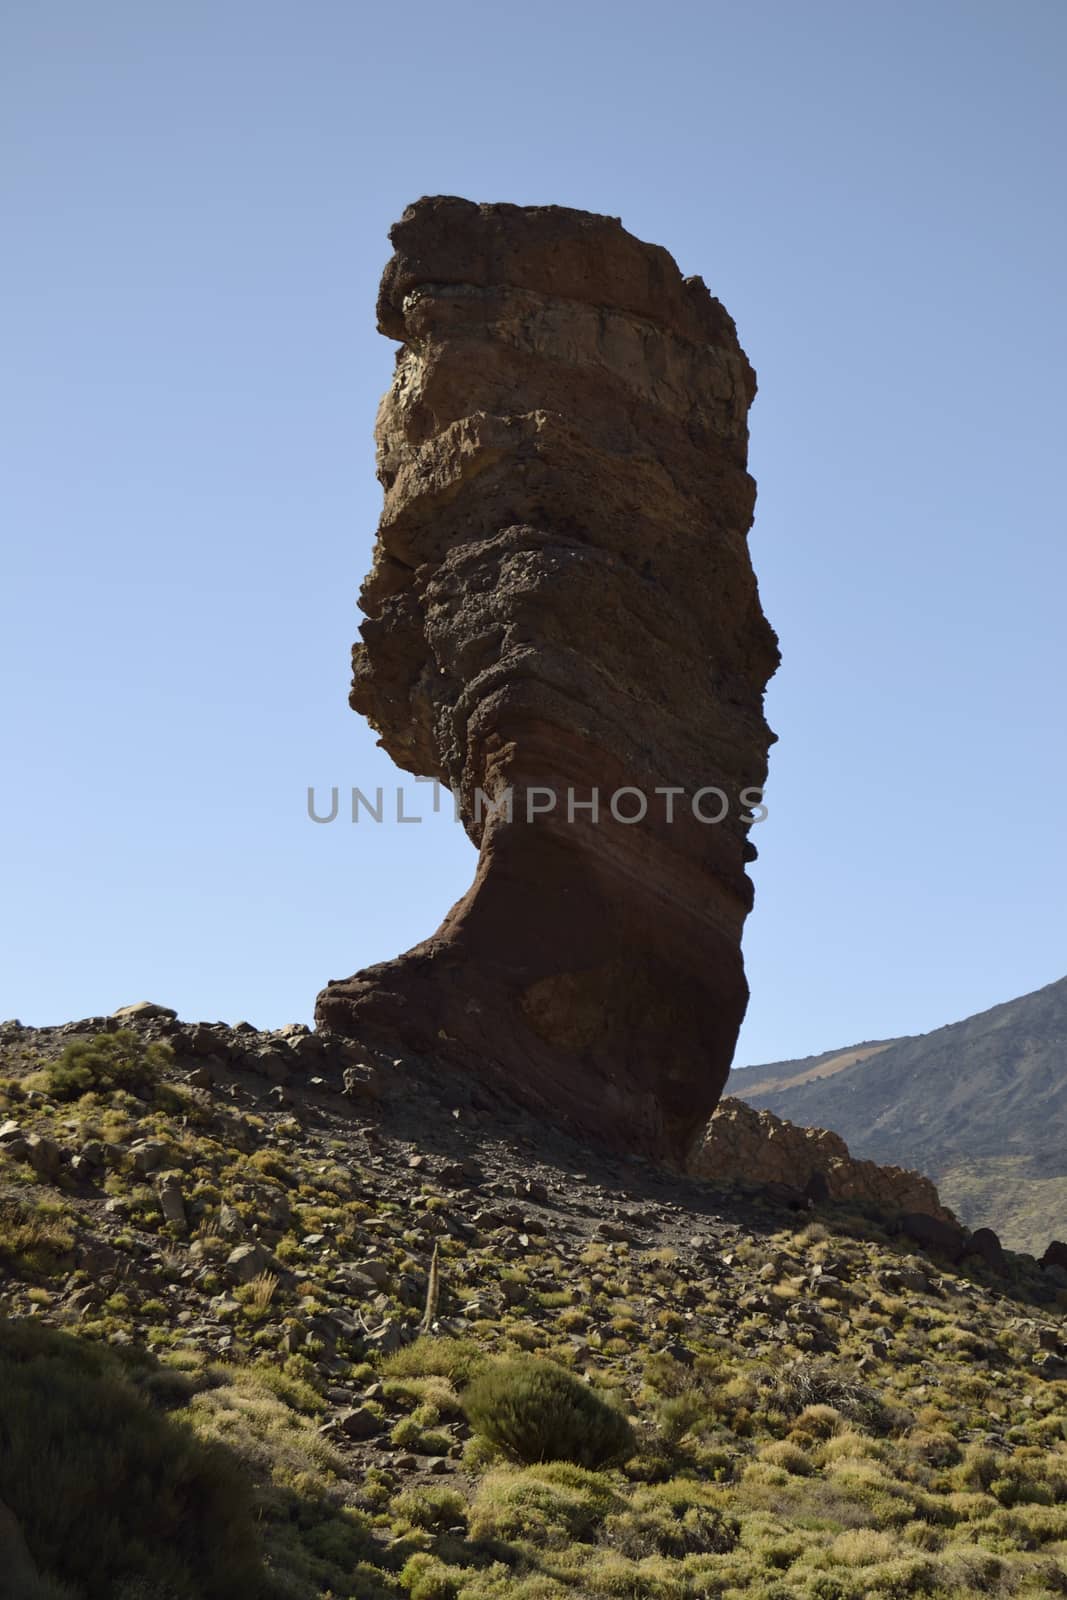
550 1505
108 1490
535 1411
672 1519
121 1060
435 1508
431 1356
34 1241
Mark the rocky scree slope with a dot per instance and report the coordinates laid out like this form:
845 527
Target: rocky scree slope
271 1266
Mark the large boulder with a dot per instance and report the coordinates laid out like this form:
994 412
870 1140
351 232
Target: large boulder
740 1143
563 627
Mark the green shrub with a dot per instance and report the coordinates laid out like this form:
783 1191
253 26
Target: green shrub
672 1519
121 1060
108 1490
426 1578
431 1356
550 1505
436 1508
535 1411
34 1242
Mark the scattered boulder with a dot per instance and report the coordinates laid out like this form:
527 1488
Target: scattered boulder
361 1081
13 1142
360 1422
905 1280
247 1261
936 1234
270 1061
44 1155
171 1199
986 1245
460 1175
148 1155
144 1011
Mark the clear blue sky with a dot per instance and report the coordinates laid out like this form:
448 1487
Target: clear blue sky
195 201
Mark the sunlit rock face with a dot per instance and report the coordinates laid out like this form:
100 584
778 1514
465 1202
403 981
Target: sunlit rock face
562 605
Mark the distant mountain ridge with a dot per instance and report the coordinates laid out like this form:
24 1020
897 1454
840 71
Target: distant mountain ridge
979 1105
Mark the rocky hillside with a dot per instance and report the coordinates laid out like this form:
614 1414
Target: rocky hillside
980 1105
281 1320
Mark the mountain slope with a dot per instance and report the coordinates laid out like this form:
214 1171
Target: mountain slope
364 1334
979 1105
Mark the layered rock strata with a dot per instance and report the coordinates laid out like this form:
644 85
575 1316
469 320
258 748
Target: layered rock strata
562 611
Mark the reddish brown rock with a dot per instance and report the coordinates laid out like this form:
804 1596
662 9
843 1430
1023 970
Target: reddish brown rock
562 601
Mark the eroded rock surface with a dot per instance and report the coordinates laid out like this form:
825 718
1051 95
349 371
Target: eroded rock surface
740 1142
562 602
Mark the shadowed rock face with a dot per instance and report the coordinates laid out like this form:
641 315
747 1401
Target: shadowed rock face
562 601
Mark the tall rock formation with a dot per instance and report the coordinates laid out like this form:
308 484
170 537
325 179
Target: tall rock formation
561 605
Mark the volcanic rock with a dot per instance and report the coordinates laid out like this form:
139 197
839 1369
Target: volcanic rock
562 624
741 1143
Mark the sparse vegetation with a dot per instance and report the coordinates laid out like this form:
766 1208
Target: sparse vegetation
591 1416
535 1411
121 1060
